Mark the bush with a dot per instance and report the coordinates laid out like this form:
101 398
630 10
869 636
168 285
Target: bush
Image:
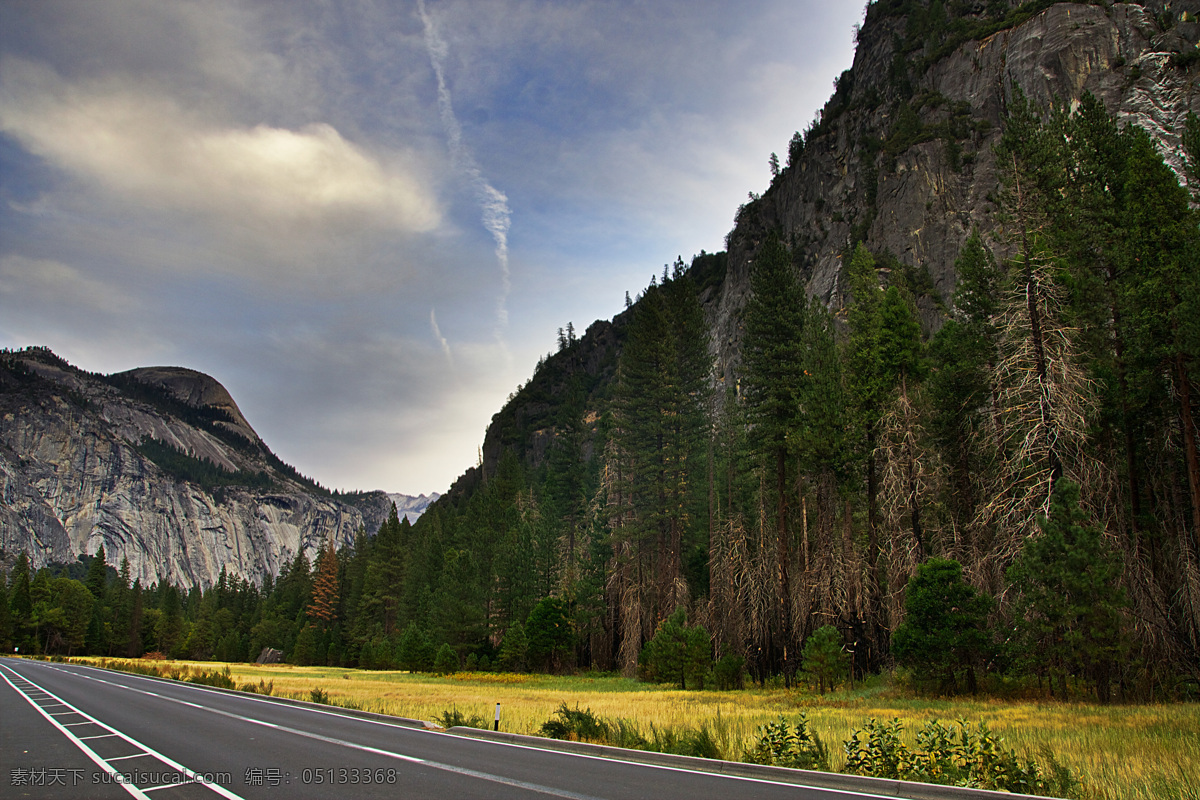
263 687
219 678
700 744
576 725
319 695
962 757
781 745
945 631
453 718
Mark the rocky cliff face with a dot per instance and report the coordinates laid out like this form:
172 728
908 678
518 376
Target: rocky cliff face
902 155
159 466
902 158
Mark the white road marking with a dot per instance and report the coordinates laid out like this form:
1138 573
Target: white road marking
470 773
435 765
94 756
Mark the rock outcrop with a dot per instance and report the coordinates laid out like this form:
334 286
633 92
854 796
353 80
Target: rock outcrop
902 158
78 470
917 193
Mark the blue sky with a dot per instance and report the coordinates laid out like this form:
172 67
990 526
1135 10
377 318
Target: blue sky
369 219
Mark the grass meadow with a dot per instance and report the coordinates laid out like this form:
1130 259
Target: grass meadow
1119 752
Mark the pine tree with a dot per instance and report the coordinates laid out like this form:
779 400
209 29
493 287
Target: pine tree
1042 390
908 471
825 659
306 650
415 652
514 649
963 404
678 652
97 575
1069 603
551 635
169 630
458 616
945 626
384 579
773 374
20 603
323 606
869 388
133 647
6 626
656 456
446 661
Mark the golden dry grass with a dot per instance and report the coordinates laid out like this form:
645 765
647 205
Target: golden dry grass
1122 752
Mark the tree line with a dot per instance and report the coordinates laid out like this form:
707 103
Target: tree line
1012 496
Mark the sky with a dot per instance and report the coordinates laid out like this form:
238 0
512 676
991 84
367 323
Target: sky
369 219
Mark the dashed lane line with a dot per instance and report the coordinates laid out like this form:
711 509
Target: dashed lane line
451 768
103 763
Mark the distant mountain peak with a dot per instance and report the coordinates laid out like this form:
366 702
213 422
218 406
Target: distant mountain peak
413 507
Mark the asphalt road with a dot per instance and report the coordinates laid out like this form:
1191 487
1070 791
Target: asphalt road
72 731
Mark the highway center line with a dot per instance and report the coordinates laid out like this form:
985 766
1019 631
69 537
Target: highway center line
90 753
447 767
470 773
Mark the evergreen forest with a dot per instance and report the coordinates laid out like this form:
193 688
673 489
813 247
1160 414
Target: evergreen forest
1010 494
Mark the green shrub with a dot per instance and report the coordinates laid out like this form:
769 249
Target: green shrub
825 662
701 744
453 718
781 745
626 733
881 755
576 724
677 653
319 695
963 757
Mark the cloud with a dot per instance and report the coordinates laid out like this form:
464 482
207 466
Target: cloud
45 282
441 340
135 144
497 215
280 193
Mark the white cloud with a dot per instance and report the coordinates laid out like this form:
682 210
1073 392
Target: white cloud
280 193
441 340
142 147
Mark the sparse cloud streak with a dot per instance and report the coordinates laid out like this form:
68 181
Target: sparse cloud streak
317 203
497 215
441 340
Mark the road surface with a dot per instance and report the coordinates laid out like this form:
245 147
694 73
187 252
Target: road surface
74 731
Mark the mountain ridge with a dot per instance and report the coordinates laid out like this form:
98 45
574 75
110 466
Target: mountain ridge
899 171
933 187
157 465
